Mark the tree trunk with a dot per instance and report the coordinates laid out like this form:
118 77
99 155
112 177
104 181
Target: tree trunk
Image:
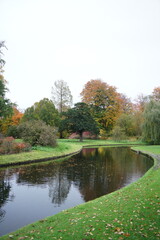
81 136
61 134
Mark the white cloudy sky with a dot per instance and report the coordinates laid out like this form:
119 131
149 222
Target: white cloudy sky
78 40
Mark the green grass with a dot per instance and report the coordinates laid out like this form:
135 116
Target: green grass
153 149
40 153
132 212
63 147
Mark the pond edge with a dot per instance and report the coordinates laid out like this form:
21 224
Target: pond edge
3 165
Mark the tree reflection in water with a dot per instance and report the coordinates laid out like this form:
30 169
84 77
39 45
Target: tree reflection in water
83 177
5 195
94 171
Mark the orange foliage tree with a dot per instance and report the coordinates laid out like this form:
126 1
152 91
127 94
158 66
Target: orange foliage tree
126 106
16 116
14 120
156 94
104 102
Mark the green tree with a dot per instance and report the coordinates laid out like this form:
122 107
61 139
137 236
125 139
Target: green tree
61 96
118 134
79 119
126 123
151 126
5 104
43 110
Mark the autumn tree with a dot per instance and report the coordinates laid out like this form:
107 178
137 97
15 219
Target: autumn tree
43 110
61 96
104 102
9 124
156 94
141 102
79 119
151 126
130 119
126 106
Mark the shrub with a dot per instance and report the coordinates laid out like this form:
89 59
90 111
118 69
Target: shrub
86 135
74 136
118 134
36 132
89 135
13 131
22 147
8 145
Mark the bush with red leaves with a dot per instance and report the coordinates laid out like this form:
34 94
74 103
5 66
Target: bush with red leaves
8 145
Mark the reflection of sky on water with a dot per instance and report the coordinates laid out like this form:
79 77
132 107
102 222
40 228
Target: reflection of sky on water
132 179
33 205
30 193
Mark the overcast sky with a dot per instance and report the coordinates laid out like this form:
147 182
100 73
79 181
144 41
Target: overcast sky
117 41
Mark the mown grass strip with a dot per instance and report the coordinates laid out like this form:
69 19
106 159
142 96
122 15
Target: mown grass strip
64 147
130 213
40 153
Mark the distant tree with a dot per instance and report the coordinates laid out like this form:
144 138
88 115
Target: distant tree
126 123
61 96
104 102
29 114
141 102
126 105
118 134
43 110
156 94
138 120
2 61
79 119
151 126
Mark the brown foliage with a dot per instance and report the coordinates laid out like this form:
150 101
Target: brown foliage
105 101
13 120
156 93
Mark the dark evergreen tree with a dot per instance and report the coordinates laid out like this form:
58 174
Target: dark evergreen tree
79 119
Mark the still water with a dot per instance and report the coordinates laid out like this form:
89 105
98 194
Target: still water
30 193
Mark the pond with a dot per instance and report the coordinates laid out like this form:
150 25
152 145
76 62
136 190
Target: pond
30 193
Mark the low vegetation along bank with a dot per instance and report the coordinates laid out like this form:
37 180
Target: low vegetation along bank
132 212
64 147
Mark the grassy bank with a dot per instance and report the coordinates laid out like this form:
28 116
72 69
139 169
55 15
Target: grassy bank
63 147
130 213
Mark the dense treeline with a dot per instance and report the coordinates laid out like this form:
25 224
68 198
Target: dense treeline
103 113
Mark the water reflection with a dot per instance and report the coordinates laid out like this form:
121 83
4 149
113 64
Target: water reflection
5 195
40 190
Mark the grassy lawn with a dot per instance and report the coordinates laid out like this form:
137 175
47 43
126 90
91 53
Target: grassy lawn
153 149
40 153
132 212
63 147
